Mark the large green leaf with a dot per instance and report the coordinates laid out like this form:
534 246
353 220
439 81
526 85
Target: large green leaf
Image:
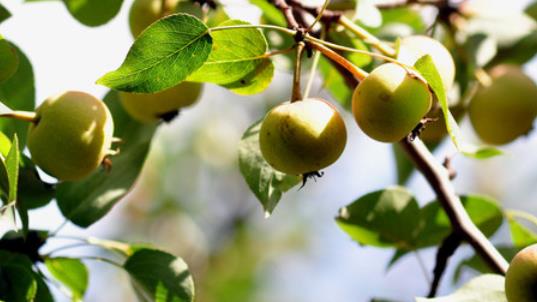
159 276
18 93
93 12
87 201
70 272
427 69
162 56
267 184
235 54
521 235
33 192
488 288
484 212
385 218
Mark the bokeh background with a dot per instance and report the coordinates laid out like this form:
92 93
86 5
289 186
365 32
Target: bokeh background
192 201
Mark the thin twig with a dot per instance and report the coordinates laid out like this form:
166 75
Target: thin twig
313 69
445 251
287 13
438 179
423 268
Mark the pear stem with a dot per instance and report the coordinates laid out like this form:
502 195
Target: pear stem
27 116
357 72
297 94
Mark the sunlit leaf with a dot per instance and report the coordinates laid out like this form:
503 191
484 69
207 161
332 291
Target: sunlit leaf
70 272
162 56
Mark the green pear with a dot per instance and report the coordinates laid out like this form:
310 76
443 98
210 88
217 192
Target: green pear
144 12
303 136
506 108
151 107
390 102
71 135
521 277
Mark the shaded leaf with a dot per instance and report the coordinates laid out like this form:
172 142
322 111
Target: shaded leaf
162 56
160 276
385 218
255 82
267 184
478 265
84 202
4 13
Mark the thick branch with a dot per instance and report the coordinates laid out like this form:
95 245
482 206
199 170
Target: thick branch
461 223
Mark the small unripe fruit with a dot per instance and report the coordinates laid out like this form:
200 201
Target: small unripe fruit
144 12
521 277
71 135
9 60
151 107
505 109
412 48
303 136
389 103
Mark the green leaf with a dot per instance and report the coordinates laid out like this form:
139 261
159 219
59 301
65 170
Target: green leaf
385 218
162 56
484 212
488 288
17 280
427 69
403 164
335 83
87 201
358 59
43 292
12 166
235 54
4 13
400 18
256 81
267 184
33 192
270 13
70 272
160 276
521 235
477 264
531 10
18 93
93 12
521 52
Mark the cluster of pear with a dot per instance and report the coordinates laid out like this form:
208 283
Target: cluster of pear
302 137
71 133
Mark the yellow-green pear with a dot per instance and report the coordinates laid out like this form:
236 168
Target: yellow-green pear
390 102
71 135
521 277
151 107
506 108
302 136
144 12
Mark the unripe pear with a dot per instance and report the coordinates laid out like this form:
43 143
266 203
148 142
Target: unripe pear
412 48
71 135
389 103
521 277
144 12
151 107
9 60
505 109
303 136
